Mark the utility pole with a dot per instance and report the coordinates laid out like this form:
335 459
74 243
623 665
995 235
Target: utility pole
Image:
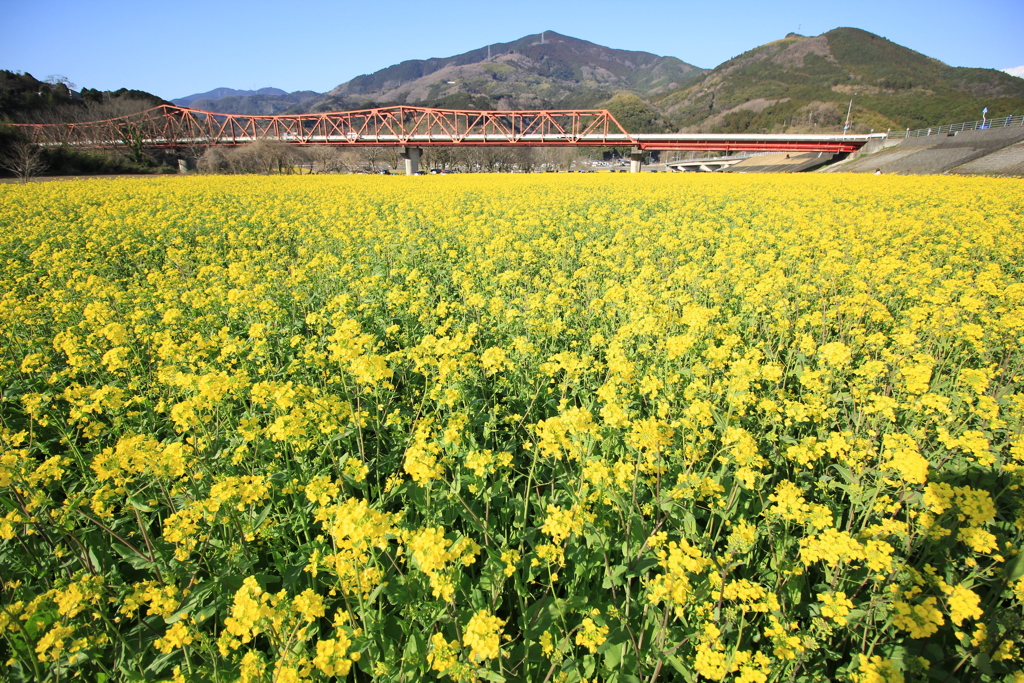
848 112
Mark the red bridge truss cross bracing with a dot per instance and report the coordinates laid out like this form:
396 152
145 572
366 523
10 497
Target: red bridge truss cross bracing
168 126
175 127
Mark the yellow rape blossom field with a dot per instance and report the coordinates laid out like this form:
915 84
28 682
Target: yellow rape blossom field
512 428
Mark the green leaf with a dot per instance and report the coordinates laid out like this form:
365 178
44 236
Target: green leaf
680 668
689 525
489 675
1014 570
163 662
258 522
856 614
613 655
643 566
589 664
131 557
374 594
415 650
141 507
615 578
267 579
984 663
292 575
194 605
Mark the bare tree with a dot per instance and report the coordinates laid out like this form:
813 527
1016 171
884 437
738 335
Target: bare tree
462 158
524 158
242 160
23 159
501 159
213 160
112 108
493 159
440 157
58 79
262 156
191 151
293 158
559 158
331 159
393 157
130 133
371 156
473 158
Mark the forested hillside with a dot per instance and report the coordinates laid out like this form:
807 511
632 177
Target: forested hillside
802 83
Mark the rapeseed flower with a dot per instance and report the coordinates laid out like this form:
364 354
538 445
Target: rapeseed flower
724 412
483 636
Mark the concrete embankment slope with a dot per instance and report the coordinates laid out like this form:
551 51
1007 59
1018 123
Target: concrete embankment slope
781 163
995 151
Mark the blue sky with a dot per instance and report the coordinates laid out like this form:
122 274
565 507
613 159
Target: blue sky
173 49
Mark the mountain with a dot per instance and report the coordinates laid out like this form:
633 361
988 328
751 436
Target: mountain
262 101
541 70
806 83
286 103
220 93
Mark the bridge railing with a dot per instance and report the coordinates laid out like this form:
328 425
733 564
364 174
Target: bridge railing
998 122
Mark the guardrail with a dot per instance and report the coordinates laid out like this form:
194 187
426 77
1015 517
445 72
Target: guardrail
998 122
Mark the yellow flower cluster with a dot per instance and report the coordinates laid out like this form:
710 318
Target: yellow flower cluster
435 555
483 636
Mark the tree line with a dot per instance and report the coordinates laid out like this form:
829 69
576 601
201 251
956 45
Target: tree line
266 156
26 99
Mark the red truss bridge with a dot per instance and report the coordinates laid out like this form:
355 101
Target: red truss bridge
412 128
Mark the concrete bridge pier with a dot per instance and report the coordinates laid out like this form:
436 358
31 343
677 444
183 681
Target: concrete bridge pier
636 156
411 155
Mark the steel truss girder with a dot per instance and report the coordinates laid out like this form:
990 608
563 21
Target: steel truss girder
170 126
166 125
